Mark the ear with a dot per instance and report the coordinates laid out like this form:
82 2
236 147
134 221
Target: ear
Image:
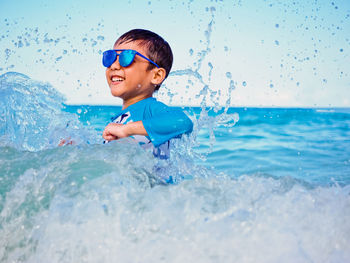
158 76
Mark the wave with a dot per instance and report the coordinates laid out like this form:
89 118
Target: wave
31 115
92 203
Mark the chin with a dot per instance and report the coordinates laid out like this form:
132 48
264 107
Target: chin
115 93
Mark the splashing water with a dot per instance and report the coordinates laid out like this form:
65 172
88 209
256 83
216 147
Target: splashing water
209 96
32 117
87 207
94 202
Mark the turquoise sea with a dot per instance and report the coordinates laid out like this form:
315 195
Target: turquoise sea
251 185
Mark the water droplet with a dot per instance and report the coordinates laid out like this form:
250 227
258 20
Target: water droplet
277 42
191 52
277 25
271 85
244 83
341 50
232 85
229 75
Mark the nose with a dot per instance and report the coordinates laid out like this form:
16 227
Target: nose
116 65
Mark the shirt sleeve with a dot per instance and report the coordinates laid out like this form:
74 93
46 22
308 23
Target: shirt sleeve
166 125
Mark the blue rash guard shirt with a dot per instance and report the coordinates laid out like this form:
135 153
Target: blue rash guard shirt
161 122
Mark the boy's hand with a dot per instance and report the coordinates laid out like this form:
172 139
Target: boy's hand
67 141
114 131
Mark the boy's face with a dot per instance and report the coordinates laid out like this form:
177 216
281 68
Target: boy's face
132 83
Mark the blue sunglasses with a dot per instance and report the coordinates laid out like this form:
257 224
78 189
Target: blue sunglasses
126 57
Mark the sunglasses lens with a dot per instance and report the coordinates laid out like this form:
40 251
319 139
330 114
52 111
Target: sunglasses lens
108 58
126 57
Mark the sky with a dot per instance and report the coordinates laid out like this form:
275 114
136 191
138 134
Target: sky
226 53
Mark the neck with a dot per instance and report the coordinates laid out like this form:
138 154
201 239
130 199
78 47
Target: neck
127 103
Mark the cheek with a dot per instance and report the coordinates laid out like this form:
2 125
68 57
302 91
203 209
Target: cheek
107 75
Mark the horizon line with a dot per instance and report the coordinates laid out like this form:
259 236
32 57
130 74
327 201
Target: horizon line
222 106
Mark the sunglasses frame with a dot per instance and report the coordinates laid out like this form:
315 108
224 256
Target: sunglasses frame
134 53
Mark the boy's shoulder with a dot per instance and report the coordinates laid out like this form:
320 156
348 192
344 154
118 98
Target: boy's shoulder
145 108
153 102
150 107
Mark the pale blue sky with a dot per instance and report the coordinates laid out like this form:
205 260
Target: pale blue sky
257 53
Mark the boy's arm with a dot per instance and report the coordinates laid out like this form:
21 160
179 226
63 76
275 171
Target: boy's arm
159 128
115 131
170 124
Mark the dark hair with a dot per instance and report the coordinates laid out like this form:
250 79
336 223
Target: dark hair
159 50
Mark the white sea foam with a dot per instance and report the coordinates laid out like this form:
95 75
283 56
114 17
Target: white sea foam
101 204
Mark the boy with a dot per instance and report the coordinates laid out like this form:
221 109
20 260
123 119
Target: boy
136 67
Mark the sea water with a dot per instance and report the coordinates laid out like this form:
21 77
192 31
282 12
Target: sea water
250 185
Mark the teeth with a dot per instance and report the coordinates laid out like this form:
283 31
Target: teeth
114 79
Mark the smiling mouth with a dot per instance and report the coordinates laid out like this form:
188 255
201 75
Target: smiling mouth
116 79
